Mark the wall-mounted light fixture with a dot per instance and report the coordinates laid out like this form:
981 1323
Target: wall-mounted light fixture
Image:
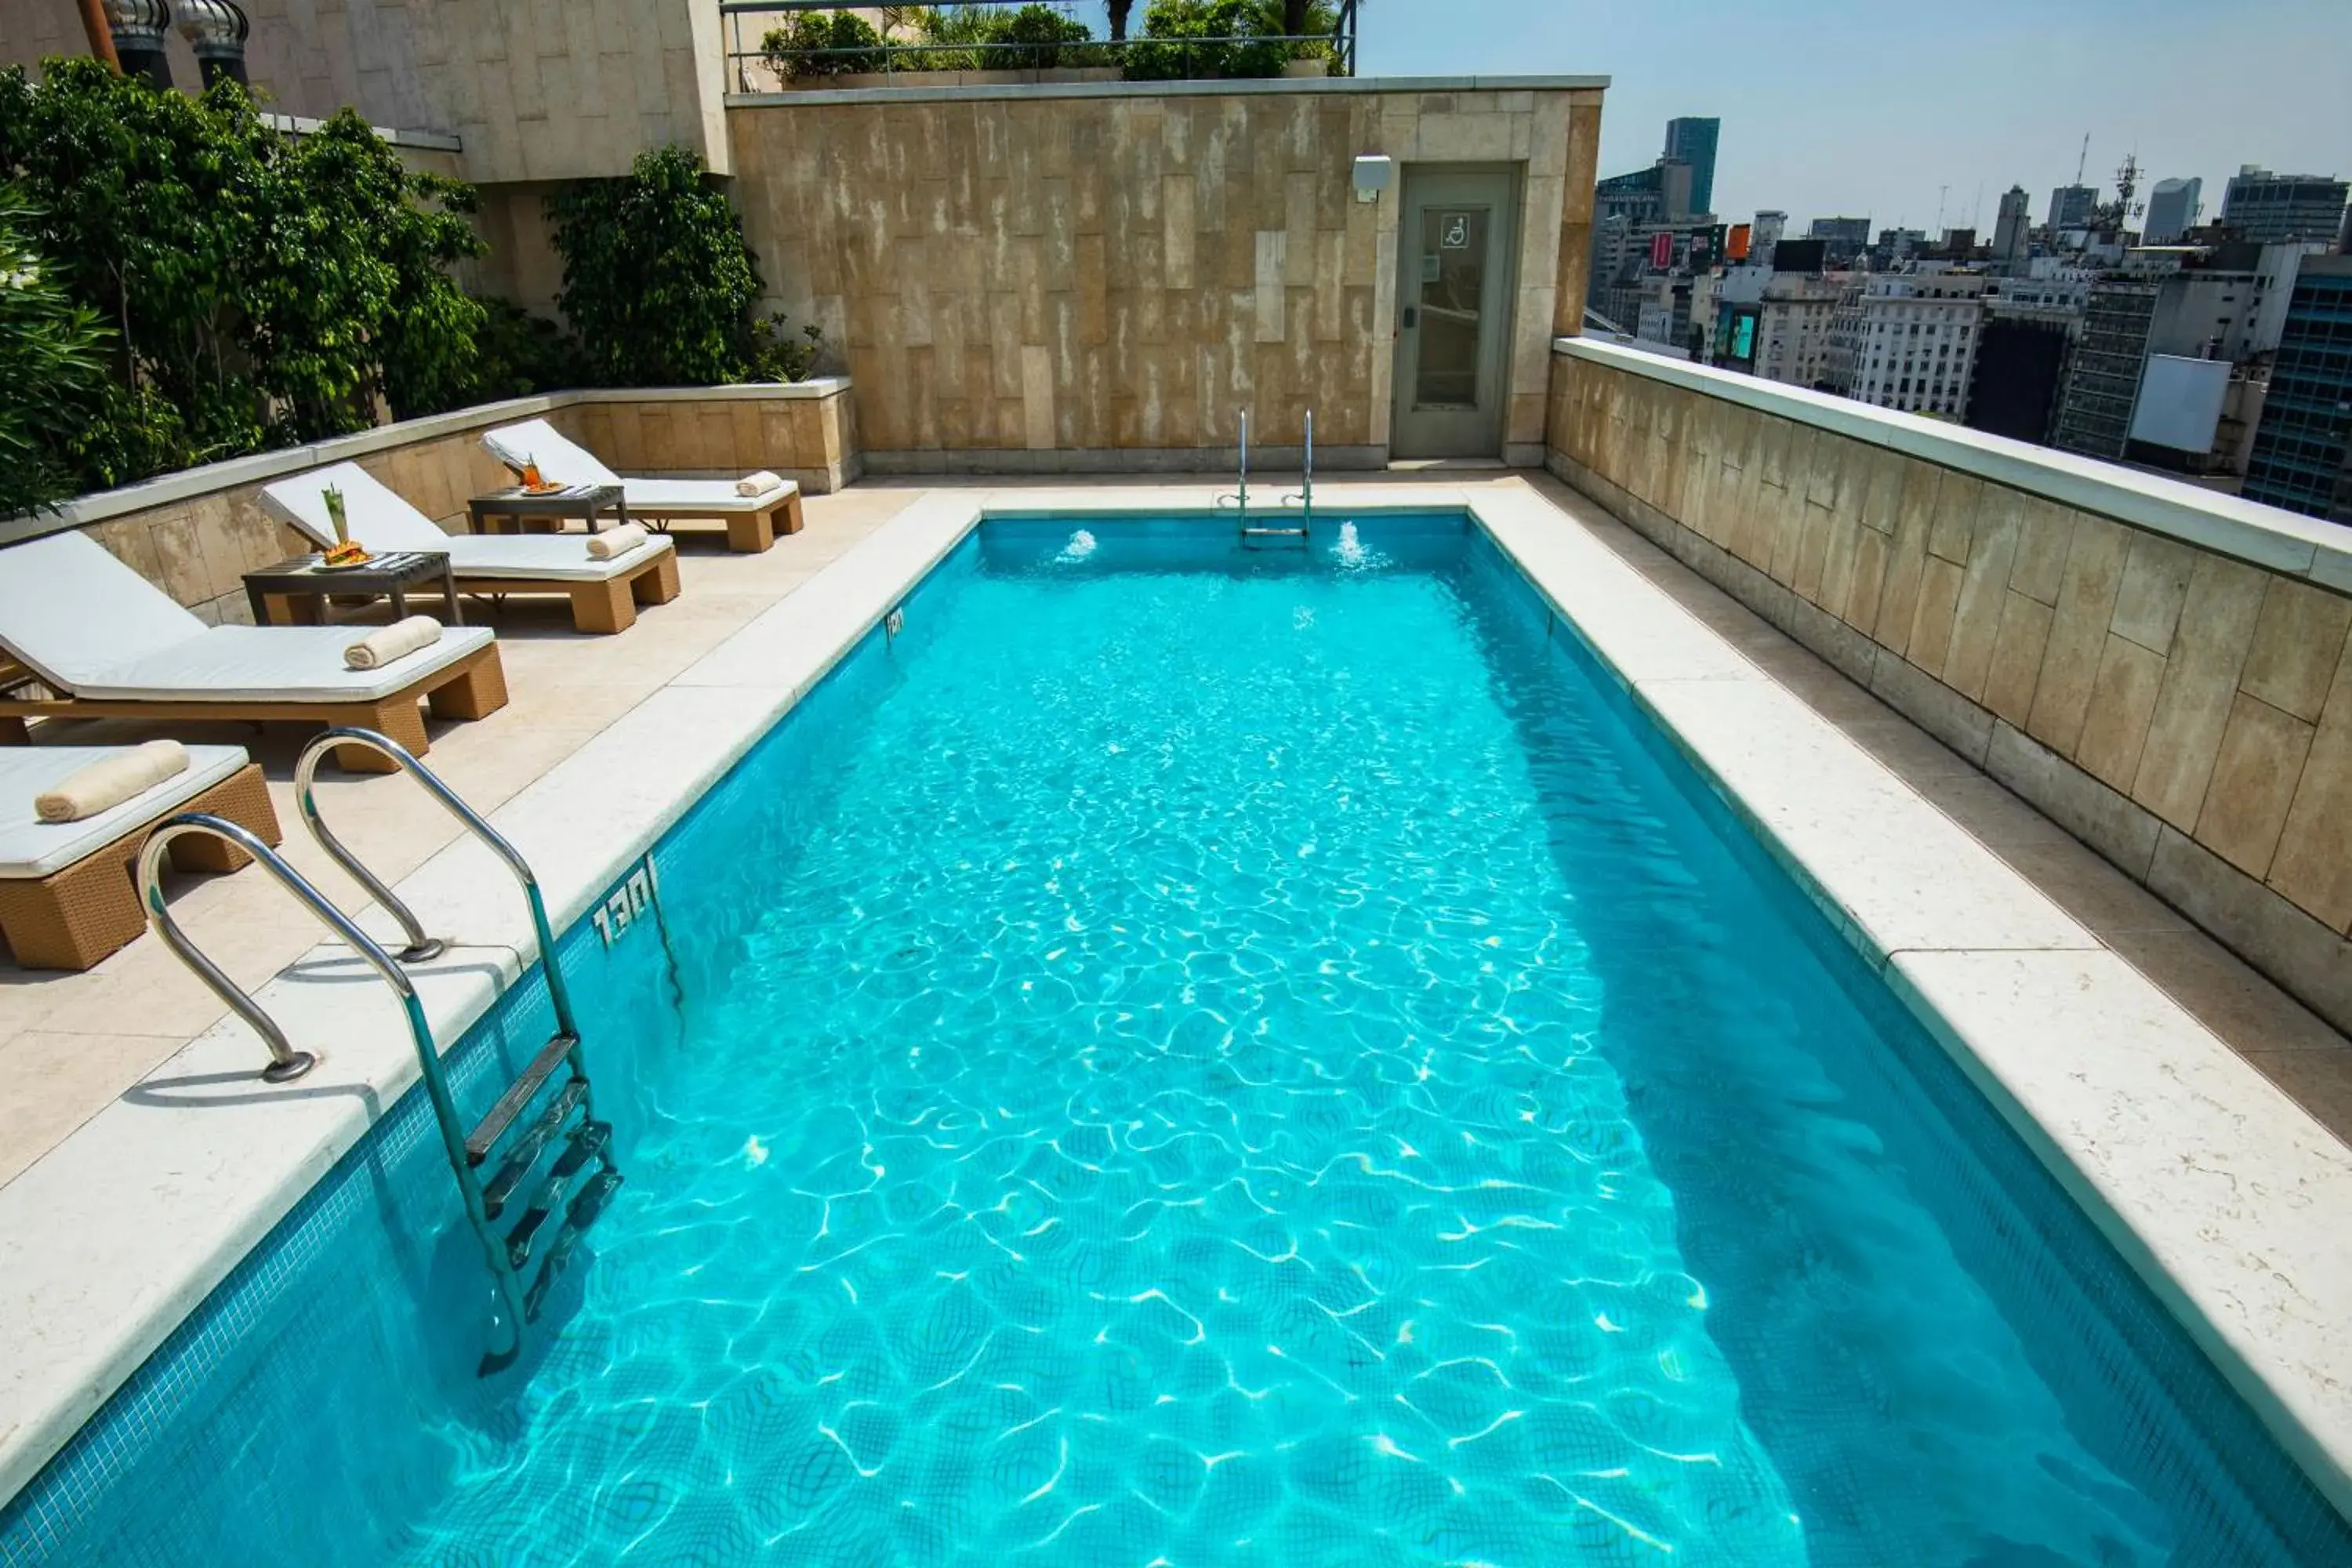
217 30
1375 174
140 27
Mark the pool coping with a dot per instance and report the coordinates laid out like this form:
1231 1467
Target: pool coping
2222 1206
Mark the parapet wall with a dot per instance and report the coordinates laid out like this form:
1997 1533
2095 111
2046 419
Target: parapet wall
2162 670
196 533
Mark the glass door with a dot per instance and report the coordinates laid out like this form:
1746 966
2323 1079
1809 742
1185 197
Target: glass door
1455 241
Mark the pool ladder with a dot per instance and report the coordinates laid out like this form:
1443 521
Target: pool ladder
579 1179
1304 495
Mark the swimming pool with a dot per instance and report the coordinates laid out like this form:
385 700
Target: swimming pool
1212 1055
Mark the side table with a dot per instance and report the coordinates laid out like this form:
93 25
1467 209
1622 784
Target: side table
523 508
300 587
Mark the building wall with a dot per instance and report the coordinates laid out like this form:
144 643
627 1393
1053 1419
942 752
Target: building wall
2186 712
1113 275
534 91
195 534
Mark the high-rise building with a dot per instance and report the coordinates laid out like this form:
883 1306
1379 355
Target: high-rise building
1842 237
2071 206
2301 457
1909 341
2010 232
2226 305
2171 210
1693 141
2264 207
1770 228
2094 410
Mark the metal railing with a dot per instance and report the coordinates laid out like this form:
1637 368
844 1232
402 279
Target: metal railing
422 948
286 1063
745 50
1240 498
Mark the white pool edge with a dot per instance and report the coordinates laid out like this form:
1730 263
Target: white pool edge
109 1241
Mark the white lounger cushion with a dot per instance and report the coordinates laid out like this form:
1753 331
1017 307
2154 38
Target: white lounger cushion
564 463
561 461
272 664
696 498
89 624
70 611
383 519
31 847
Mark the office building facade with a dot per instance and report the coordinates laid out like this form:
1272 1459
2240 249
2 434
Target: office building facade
1693 141
2172 208
2301 457
2264 207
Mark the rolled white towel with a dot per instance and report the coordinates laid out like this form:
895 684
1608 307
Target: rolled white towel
398 640
617 541
109 781
758 484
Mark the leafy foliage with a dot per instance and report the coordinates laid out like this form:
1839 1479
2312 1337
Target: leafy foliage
657 279
53 366
774 355
518 354
261 289
1226 38
814 43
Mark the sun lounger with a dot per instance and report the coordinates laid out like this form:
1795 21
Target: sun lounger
110 644
605 594
752 520
68 890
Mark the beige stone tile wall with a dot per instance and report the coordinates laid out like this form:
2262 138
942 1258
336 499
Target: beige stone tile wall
198 546
2187 715
1092 274
536 90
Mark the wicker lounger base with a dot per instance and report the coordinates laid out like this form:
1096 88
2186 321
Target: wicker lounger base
601 607
472 688
73 917
748 532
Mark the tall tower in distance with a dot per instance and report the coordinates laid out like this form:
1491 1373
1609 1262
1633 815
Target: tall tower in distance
1693 141
2016 221
2172 208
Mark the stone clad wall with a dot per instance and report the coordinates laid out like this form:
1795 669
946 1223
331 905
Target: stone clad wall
535 91
1112 275
197 532
2185 711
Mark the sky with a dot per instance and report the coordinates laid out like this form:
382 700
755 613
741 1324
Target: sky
1867 111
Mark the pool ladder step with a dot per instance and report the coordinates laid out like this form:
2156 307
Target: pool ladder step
1304 495
581 1178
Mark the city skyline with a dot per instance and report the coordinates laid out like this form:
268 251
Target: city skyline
2174 85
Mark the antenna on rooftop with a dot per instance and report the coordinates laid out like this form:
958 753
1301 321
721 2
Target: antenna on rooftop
2083 161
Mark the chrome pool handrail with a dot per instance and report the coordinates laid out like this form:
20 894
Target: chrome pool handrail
420 947
286 1063
1304 494
1242 496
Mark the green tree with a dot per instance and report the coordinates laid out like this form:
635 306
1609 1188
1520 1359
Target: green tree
262 290
53 366
657 279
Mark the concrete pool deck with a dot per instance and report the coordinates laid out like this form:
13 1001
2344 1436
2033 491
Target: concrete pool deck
2156 1075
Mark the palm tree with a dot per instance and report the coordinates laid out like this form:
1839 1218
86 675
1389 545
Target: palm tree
1118 10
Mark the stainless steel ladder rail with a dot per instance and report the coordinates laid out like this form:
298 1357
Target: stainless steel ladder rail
584 1145
1304 494
1242 496
286 1063
586 1140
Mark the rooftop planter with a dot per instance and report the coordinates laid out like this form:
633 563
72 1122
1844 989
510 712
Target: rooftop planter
804 45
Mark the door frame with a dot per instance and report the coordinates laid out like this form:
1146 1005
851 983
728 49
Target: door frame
1503 282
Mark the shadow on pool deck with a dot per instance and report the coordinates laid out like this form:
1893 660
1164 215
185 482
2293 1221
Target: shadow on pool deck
2290 1045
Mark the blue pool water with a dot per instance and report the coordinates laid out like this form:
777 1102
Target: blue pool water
1199 1055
